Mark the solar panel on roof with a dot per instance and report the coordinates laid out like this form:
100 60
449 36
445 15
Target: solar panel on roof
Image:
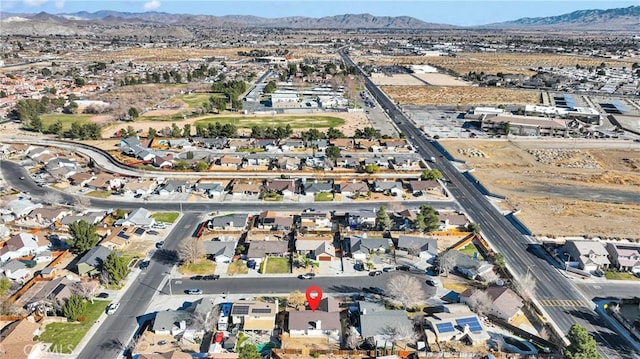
123 235
139 231
445 327
261 310
240 309
472 322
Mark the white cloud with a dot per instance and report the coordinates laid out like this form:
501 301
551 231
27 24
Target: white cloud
152 5
59 4
34 3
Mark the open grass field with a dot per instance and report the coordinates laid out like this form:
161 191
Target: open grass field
167 217
277 265
554 197
462 95
66 119
620 275
66 336
492 63
299 121
196 99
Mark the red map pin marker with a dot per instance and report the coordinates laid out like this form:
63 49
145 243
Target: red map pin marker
314 296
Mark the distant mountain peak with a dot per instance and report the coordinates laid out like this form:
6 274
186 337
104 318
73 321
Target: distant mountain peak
610 19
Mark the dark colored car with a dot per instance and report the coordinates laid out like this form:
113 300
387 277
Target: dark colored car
153 232
375 273
103 295
359 266
375 290
211 277
144 265
197 277
403 267
194 291
159 244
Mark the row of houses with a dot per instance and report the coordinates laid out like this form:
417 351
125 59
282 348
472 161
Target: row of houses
592 255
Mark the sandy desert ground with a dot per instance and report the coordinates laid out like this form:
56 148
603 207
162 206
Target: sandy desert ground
461 95
564 187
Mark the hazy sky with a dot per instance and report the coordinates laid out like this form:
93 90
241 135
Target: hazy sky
448 11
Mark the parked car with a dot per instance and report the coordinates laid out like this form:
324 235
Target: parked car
159 244
307 276
197 277
103 295
433 282
137 195
194 291
403 267
144 265
388 269
375 273
153 232
211 277
111 309
375 290
359 266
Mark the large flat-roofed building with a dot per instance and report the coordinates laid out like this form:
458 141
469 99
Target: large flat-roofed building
525 125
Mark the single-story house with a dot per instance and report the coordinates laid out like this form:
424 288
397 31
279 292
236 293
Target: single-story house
314 249
230 222
254 316
426 248
139 217
91 262
375 319
260 249
353 187
321 323
17 341
221 251
15 270
359 248
22 244
422 186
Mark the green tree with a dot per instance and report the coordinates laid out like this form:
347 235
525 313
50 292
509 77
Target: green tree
152 133
473 227
431 175
175 131
36 124
248 351
382 219
84 236
582 346
119 214
431 220
181 165
133 113
372 168
116 268
333 133
270 87
333 152
55 128
419 223
186 130
75 307
201 166
498 260
5 285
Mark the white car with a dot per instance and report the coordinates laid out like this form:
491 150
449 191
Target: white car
112 308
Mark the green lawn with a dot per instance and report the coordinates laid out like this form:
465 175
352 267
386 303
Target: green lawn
470 250
196 99
277 265
167 217
295 121
323 197
99 194
66 336
66 119
175 117
237 267
620 275
203 266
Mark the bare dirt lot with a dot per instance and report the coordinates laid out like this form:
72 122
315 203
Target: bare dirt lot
492 63
562 187
462 95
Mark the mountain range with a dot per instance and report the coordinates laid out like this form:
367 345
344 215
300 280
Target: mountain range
82 23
